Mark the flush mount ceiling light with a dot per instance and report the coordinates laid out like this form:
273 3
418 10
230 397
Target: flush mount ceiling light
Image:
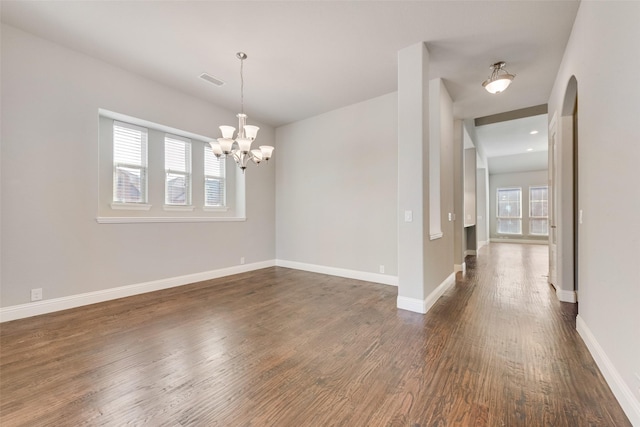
240 147
499 80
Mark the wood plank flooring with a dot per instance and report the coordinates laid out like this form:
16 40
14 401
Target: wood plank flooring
280 347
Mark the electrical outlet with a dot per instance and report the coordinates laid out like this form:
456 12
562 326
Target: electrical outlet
36 294
241 260
381 269
408 216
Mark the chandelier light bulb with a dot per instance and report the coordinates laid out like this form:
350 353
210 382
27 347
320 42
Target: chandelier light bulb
266 150
251 131
217 150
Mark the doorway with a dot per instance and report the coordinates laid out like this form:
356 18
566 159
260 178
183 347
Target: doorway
564 208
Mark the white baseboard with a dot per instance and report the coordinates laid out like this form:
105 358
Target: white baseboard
470 252
384 279
49 306
411 304
629 403
419 306
460 267
566 296
524 241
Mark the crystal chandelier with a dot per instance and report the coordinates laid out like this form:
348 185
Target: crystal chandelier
240 147
499 80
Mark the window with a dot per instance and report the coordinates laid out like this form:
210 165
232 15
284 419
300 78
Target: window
509 217
214 182
129 163
177 167
538 211
150 172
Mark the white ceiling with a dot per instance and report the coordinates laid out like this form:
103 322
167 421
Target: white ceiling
309 57
513 136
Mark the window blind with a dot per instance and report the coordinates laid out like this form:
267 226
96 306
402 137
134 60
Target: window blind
538 210
177 164
129 163
214 179
509 217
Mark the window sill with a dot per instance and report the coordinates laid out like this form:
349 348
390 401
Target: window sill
148 219
215 208
131 206
178 208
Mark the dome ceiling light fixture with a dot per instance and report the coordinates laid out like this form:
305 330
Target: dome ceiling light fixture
239 147
499 80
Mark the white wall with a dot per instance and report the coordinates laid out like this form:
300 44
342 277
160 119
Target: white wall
336 183
482 198
607 33
469 187
425 262
50 157
524 180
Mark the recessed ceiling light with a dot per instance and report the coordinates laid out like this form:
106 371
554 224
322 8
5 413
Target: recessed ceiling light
529 149
533 132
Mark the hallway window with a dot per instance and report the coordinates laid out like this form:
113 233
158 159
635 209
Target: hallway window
509 218
538 211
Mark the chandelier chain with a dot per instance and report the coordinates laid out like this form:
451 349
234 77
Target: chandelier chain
241 86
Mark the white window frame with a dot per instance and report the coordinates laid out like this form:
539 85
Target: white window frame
222 178
155 211
531 216
500 218
186 173
143 167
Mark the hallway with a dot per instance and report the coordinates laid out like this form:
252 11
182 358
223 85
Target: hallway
518 345
282 347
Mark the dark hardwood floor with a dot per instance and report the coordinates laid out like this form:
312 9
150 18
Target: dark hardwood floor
280 347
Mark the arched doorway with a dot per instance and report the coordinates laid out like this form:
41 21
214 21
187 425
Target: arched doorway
564 182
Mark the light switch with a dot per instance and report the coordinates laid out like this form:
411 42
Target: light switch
580 216
408 216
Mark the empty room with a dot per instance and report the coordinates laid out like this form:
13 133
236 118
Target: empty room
319 213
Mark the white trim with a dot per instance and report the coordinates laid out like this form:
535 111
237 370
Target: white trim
460 267
49 306
384 279
482 243
178 208
215 208
422 307
411 304
130 206
439 291
526 241
629 403
470 252
129 120
566 296
435 236
137 219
